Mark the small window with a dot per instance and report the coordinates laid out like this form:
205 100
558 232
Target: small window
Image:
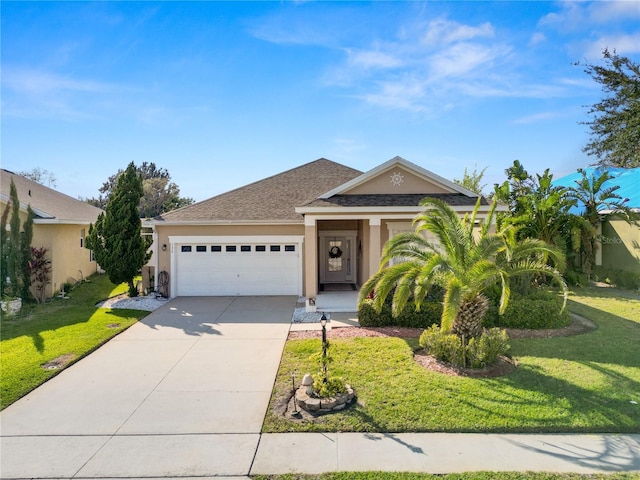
274 248
216 248
261 248
201 248
230 248
82 238
92 257
289 248
185 248
245 248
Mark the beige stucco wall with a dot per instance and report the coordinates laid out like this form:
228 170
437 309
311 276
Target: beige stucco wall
62 242
411 183
620 242
68 257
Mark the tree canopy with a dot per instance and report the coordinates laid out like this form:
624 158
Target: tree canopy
41 176
615 120
472 180
159 195
116 238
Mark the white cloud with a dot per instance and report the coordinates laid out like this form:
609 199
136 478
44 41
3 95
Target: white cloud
372 59
537 38
602 12
40 82
622 44
444 32
463 59
572 15
402 94
536 118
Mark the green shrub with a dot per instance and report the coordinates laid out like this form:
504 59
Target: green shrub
429 314
485 349
619 278
480 352
574 278
332 387
540 309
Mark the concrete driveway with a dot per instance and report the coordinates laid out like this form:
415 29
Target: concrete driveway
181 393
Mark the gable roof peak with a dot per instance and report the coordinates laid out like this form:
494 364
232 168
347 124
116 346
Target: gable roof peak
410 166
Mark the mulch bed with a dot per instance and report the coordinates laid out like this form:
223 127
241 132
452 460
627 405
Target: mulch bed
503 366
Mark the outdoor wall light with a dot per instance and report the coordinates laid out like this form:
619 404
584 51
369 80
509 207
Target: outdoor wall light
164 247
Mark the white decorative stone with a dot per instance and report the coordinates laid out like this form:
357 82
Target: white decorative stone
307 380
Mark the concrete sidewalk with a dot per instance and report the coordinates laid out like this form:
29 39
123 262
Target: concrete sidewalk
440 453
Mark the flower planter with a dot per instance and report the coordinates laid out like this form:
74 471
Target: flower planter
11 307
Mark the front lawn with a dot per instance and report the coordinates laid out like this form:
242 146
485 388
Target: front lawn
63 329
584 383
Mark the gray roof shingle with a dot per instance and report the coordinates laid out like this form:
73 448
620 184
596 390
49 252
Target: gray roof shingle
393 200
272 199
49 204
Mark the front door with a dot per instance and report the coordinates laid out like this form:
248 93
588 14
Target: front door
338 259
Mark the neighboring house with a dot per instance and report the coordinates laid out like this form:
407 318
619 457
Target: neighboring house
296 233
619 241
60 225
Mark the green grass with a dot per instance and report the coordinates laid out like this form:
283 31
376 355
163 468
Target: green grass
452 476
41 333
584 383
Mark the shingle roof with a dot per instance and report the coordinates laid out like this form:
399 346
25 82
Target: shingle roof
47 203
393 200
273 199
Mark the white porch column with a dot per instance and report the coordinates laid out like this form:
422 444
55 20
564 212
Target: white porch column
310 260
374 245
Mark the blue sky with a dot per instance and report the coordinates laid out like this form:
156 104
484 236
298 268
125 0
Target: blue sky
226 93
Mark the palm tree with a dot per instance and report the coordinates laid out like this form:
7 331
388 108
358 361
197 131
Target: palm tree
592 193
466 261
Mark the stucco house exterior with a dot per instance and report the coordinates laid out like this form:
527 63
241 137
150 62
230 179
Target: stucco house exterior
299 232
60 225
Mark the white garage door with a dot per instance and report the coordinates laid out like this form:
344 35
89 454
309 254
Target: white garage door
237 268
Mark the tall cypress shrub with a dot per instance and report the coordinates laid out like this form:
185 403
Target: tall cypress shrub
116 239
26 237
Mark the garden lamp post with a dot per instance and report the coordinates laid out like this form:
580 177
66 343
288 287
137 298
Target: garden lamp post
323 322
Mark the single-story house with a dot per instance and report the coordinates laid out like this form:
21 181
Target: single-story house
60 225
299 232
618 240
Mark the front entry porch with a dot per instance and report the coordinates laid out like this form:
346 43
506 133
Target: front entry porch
337 301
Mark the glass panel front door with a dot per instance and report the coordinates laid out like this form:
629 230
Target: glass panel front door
338 260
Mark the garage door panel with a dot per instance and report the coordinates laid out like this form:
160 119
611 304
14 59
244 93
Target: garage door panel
222 272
